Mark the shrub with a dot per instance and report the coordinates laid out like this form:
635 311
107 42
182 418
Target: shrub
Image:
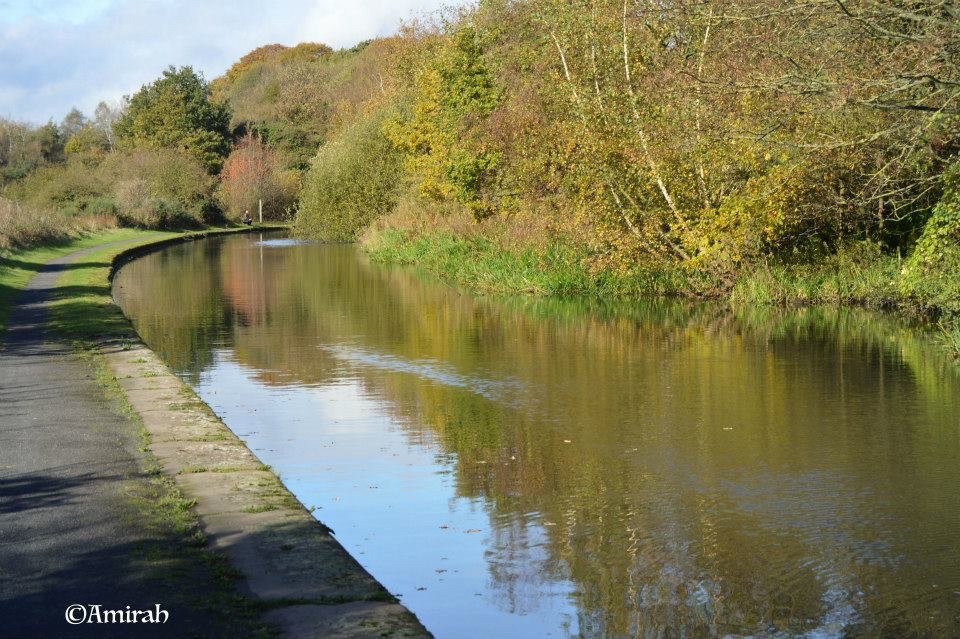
353 179
59 186
142 187
159 188
930 272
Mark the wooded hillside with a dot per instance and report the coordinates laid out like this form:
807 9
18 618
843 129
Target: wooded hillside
673 146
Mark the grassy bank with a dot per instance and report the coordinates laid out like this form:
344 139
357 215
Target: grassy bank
18 267
858 275
481 265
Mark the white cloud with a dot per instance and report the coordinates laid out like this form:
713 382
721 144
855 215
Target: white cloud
55 54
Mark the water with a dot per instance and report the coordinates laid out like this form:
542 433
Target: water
534 468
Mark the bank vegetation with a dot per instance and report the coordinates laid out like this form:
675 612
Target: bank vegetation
779 152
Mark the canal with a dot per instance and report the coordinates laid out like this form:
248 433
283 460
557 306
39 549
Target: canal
539 467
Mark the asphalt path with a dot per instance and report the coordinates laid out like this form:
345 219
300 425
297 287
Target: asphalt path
69 532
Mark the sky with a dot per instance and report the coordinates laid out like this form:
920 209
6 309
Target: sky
57 54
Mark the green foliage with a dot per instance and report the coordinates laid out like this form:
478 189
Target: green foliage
24 148
468 87
175 111
453 89
87 141
151 188
930 273
353 179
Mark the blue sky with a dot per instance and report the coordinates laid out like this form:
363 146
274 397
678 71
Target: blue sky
56 54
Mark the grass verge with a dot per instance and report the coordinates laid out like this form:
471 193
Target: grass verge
17 268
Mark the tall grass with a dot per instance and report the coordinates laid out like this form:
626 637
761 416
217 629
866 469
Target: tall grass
858 274
22 227
484 265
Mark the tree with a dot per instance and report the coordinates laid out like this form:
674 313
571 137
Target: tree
104 119
82 136
50 141
351 182
72 123
24 147
176 111
89 141
253 173
453 88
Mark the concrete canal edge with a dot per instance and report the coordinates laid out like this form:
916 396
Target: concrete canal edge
290 562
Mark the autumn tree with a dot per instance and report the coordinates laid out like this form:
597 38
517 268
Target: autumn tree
252 173
453 88
711 134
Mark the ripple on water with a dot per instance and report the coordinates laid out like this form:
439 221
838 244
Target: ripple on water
285 242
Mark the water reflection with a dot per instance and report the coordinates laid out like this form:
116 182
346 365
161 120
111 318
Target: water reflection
533 467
